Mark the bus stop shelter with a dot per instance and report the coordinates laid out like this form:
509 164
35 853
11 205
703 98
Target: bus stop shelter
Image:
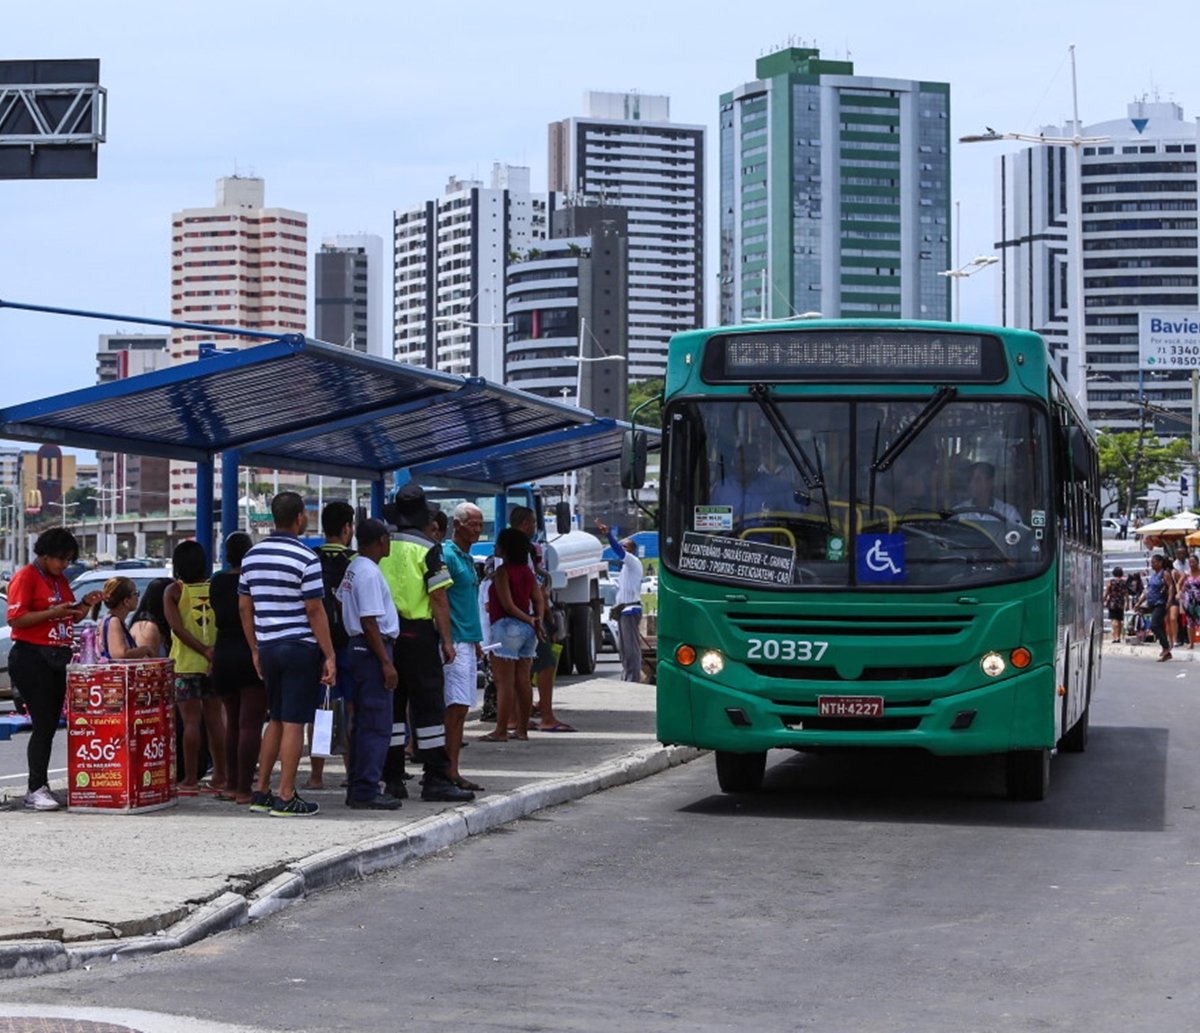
303 405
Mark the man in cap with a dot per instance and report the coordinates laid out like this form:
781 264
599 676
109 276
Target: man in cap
629 601
418 580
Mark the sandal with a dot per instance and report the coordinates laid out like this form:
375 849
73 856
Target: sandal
492 737
466 783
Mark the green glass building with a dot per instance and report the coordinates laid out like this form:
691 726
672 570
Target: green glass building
835 193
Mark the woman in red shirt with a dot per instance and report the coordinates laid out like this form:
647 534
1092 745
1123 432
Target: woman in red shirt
42 612
512 601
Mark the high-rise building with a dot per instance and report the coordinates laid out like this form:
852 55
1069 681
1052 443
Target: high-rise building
567 304
237 263
132 483
349 292
450 259
1139 235
835 193
625 152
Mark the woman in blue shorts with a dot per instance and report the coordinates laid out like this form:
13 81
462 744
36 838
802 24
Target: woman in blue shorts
513 601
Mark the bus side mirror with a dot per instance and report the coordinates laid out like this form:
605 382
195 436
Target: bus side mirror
1081 454
562 517
633 460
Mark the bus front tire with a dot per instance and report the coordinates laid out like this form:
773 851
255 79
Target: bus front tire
1027 774
741 772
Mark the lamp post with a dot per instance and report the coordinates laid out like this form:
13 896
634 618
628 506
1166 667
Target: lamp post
961 273
64 506
1077 362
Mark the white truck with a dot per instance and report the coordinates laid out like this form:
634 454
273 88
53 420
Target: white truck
574 560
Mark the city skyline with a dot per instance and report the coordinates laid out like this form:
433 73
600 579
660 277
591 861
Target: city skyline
363 133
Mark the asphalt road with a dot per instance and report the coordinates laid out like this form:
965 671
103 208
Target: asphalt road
857 893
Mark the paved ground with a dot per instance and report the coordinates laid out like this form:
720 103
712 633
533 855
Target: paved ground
76 878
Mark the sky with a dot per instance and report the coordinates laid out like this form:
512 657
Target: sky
349 111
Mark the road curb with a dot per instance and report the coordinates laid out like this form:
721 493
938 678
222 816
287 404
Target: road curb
339 865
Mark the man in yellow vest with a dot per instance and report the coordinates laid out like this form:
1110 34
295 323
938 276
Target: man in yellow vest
418 579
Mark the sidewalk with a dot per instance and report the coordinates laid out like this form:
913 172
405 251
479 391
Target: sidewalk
90 887
1148 650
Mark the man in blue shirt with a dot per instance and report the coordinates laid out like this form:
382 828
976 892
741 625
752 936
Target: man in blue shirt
466 631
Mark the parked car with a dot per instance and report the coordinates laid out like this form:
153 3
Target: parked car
1109 527
91 580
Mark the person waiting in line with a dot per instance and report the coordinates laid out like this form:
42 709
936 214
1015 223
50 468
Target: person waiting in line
42 612
283 619
981 502
418 579
524 520
515 630
628 604
335 554
239 687
1160 592
372 626
116 641
193 632
465 629
148 625
1177 622
1116 597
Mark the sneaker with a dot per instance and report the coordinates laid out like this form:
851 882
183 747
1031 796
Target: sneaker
42 800
442 790
397 789
293 808
382 802
261 802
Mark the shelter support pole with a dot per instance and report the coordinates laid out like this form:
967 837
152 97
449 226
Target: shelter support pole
205 476
377 499
229 495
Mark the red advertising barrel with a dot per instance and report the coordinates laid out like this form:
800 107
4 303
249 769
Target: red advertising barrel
120 736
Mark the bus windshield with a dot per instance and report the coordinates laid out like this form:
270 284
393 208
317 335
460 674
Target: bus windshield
928 491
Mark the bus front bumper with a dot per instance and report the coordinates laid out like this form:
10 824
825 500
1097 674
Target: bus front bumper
1012 712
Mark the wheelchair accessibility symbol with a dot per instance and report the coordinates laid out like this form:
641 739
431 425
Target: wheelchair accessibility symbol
880 558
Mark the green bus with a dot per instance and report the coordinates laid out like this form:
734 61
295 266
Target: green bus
875 534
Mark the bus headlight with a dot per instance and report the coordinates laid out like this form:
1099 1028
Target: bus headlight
712 662
993 665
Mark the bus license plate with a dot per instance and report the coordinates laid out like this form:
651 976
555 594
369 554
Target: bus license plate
850 706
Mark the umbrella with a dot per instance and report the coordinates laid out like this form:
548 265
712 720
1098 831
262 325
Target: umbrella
1170 527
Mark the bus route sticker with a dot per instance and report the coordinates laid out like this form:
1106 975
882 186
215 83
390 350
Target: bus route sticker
737 559
712 518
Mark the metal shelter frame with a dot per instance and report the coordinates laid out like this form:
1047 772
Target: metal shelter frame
298 404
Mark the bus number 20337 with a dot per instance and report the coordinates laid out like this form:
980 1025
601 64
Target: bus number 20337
801 649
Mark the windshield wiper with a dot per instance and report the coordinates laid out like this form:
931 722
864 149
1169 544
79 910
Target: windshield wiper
811 473
941 398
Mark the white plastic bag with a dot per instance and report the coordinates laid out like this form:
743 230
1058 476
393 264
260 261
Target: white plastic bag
322 733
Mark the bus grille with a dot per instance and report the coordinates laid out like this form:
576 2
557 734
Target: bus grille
877 625
808 673
840 724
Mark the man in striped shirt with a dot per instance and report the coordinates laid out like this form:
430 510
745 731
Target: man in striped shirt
283 618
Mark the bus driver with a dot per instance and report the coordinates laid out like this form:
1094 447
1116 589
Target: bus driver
982 503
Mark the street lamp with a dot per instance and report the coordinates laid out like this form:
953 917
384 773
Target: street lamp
1075 217
64 506
961 273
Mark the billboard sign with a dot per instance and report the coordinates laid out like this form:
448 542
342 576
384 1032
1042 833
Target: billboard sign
1169 340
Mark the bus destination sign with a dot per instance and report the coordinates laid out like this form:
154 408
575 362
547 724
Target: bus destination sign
854 356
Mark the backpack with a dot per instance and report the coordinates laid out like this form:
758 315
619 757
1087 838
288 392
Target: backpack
334 562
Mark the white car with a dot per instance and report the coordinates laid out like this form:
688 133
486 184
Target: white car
608 626
1109 527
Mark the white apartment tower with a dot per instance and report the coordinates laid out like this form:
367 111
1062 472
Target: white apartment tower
1139 232
237 263
625 152
348 292
450 260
